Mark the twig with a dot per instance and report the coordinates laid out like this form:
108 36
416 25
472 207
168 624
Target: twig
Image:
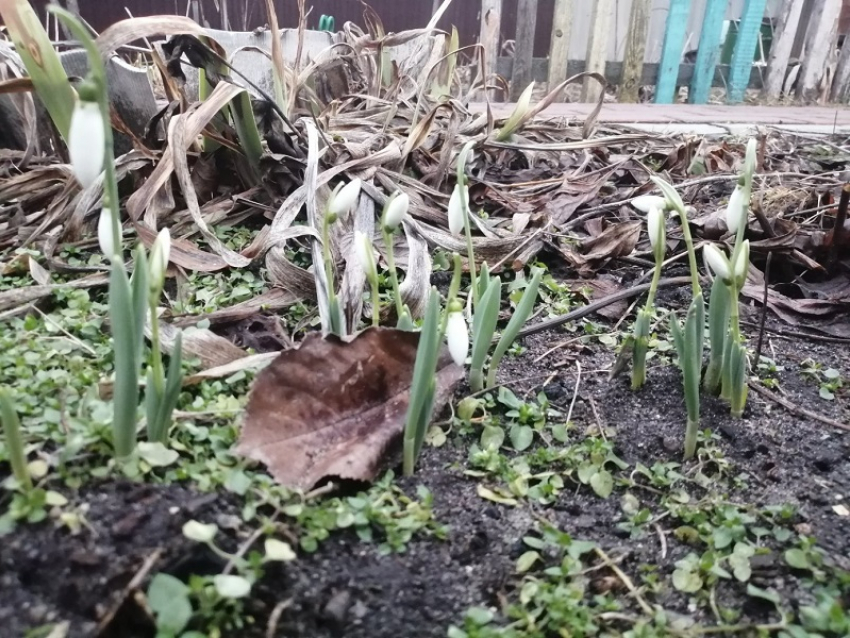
795 334
648 610
575 392
763 309
274 617
598 305
662 538
796 409
134 583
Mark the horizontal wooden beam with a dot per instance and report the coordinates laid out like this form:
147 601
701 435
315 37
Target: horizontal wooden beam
614 72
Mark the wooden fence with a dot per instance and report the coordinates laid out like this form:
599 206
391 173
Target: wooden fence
753 52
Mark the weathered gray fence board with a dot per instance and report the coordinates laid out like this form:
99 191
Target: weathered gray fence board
614 72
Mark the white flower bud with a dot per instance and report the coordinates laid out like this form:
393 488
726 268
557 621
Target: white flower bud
345 199
87 142
457 336
646 203
750 157
159 258
104 234
363 249
736 210
742 263
717 261
396 210
457 211
655 226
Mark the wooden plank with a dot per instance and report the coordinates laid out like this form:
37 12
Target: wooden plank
841 84
526 24
559 47
635 50
780 51
491 22
708 51
820 41
597 48
671 51
749 30
614 72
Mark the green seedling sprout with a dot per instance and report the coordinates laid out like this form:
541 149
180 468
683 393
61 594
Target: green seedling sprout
343 198
366 256
14 441
690 341
423 386
517 118
523 311
483 327
90 145
657 239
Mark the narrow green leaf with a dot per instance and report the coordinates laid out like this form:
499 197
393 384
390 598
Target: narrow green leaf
140 301
246 128
523 311
168 401
483 327
125 343
41 61
14 441
718 330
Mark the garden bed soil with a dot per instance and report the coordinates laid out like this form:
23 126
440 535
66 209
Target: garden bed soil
348 589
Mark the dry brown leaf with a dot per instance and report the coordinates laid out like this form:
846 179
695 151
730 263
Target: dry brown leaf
336 408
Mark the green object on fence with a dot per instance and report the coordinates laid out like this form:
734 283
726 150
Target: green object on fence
326 23
732 38
671 52
707 54
747 40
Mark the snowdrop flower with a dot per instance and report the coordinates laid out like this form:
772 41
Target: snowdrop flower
104 234
87 142
457 211
742 263
396 210
345 198
717 261
159 257
657 232
457 335
363 249
736 210
646 203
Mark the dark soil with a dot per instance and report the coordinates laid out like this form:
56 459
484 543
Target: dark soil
348 589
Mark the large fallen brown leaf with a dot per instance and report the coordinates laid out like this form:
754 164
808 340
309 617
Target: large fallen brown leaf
335 407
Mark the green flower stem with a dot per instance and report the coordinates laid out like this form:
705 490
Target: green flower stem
388 242
14 441
692 256
156 355
464 202
376 305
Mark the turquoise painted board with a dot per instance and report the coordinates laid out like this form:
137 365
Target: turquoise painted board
742 59
708 52
671 51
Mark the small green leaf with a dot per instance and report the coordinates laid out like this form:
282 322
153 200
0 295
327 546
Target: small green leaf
229 586
687 581
522 437
237 482
480 615
278 550
765 594
826 393
156 454
797 559
168 598
55 499
722 537
195 531
491 495
492 437
602 483
526 561
586 472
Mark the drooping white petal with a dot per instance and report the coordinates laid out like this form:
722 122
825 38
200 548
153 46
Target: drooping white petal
86 142
645 203
750 157
457 337
742 262
104 233
717 261
396 211
656 228
457 211
160 252
736 210
346 198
